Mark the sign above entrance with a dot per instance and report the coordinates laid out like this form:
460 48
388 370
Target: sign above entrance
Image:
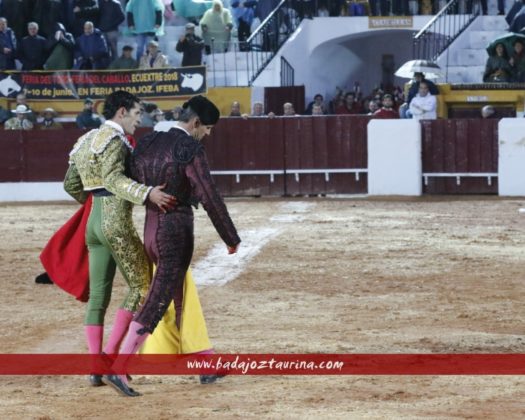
381 22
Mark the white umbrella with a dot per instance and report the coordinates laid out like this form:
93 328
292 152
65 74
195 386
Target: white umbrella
428 68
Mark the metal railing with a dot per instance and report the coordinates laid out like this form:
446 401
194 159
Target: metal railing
441 31
287 73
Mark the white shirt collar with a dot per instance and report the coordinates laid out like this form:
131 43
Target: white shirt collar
116 126
183 129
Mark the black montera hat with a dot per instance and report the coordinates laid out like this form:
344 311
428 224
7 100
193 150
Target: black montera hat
204 108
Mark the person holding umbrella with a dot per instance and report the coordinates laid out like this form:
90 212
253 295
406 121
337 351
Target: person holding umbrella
497 68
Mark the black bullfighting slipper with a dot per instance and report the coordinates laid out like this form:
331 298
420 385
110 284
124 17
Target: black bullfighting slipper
210 379
95 380
121 387
43 279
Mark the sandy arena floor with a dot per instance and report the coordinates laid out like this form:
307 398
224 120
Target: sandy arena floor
443 275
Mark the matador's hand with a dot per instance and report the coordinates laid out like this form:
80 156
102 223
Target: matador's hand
164 201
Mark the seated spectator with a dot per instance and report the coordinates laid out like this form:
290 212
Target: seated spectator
498 68
191 46
158 116
488 111
111 16
317 109
288 110
153 58
91 49
323 11
244 15
49 123
517 62
61 46
7 46
372 107
20 120
170 121
424 104
21 99
318 100
258 109
235 110
32 52
87 119
125 61
216 25
387 111
404 109
350 105
149 109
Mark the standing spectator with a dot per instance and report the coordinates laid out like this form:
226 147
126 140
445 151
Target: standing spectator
258 109
235 110
350 105
91 49
216 25
20 120
517 62
49 123
7 46
153 58
61 46
48 13
243 14
21 99
84 11
387 111
497 68
145 21
111 16
125 61
318 100
32 52
424 104
17 13
191 47
87 118
404 109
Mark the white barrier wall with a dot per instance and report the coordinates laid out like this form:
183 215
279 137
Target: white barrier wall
511 157
33 191
394 157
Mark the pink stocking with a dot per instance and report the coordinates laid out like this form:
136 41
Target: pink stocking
94 335
131 344
120 327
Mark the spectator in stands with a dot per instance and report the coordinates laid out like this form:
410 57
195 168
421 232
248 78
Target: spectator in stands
258 109
49 123
243 14
216 25
91 50
350 105
20 120
423 106
517 62
153 58
111 16
498 68
149 109
125 61
488 111
21 99
61 46
288 110
87 119
191 46
17 13
404 109
317 110
387 111
32 52
235 110
145 21
48 13
4 114
84 11
323 11
318 100
373 106
7 46
170 121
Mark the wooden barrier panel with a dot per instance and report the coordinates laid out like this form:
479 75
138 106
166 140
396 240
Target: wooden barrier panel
454 150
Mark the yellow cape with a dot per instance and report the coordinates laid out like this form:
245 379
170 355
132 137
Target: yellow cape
193 334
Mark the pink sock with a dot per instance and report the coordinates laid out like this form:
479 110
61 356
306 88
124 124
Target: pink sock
120 327
94 335
131 344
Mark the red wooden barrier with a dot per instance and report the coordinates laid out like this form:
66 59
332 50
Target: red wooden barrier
459 147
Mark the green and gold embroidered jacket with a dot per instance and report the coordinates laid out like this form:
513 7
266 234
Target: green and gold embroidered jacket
98 160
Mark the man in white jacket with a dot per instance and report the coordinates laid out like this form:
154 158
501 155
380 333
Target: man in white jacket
423 105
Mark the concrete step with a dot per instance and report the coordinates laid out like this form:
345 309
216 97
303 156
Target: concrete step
469 57
480 39
491 23
465 74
